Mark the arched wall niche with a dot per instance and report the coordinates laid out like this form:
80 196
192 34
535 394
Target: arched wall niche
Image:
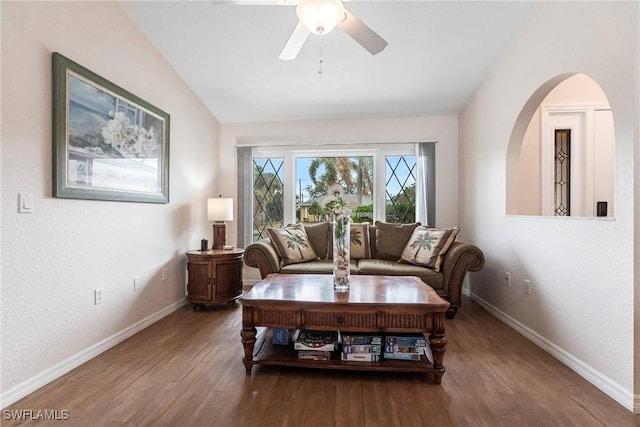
573 104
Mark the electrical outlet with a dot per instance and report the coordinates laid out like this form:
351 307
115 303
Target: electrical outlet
528 287
98 296
137 283
507 278
164 273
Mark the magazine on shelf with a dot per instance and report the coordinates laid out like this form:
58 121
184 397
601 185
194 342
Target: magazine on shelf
418 340
316 340
410 353
404 356
361 357
314 355
280 336
362 348
360 338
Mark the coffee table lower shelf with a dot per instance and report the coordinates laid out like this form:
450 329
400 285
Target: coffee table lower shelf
265 353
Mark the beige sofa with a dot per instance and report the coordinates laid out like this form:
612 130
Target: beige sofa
386 243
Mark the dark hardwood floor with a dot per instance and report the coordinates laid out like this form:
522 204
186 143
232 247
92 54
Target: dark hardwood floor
186 370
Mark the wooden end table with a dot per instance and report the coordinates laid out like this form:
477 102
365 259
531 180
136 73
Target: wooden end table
214 276
385 304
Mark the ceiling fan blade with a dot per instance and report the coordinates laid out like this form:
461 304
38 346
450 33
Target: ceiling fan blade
295 42
364 35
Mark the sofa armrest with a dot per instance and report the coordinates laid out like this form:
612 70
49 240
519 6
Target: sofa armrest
262 255
460 258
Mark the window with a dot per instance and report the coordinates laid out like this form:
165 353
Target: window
562 173
288 185
315 175
400 203
268 192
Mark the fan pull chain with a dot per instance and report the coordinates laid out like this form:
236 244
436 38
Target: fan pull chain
321 60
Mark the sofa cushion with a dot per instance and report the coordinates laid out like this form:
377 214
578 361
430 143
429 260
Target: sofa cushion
319 237
392 238
385 267
359 234
292 244
427 246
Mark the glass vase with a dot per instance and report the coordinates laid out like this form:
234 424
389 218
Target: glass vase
341 252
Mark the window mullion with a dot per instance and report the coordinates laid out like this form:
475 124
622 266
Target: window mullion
380 187
289 197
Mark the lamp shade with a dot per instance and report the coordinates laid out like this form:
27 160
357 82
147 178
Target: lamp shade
320 16
220 209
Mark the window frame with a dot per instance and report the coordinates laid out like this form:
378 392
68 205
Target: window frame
377 151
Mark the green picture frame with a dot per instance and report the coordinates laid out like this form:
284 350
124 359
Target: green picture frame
108 144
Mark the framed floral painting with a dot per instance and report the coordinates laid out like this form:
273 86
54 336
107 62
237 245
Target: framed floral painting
108 144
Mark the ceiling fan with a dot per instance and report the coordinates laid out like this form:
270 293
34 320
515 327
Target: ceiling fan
320 17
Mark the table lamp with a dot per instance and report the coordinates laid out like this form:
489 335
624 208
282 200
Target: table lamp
219 210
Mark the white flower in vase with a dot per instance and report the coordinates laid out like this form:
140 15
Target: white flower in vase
340 206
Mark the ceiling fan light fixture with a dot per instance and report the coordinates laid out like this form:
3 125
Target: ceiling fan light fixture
320 16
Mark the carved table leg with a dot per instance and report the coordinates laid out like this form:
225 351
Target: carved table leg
438 344
248 335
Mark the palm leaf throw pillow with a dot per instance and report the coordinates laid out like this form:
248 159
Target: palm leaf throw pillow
359 234
292 244
427 246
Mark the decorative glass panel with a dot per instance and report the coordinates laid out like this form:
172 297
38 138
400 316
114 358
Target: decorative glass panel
562 172
268 202
400 189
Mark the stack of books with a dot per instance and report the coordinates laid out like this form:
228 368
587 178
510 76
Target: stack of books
406 347
315 345
355 346
361 347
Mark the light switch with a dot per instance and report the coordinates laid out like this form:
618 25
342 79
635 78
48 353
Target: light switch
25 203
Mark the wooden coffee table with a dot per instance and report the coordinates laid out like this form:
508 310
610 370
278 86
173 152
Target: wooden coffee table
385 304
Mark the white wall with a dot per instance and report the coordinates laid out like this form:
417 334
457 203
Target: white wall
577 90
582 270
528 177
443 129
53 258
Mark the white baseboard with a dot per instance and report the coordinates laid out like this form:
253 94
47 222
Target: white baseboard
604 383
27 387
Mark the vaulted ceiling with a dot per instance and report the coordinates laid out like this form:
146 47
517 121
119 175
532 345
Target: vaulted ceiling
438 53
